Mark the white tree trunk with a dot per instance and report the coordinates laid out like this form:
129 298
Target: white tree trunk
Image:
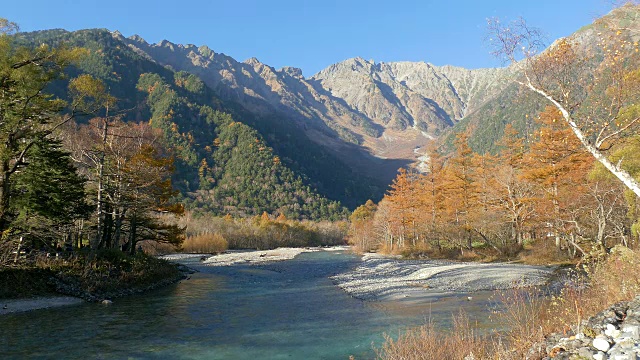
620 173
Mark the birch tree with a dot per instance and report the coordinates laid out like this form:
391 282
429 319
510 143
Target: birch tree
594 85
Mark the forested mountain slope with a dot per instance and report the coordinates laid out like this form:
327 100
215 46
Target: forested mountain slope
226 161
340 135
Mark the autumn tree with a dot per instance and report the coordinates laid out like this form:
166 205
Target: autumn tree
130 174
361 233
148 193
431 196
595 87
511 194
402 198
385 226
485 218
462 189
558 164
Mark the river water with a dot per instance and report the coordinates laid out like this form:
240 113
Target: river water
284 310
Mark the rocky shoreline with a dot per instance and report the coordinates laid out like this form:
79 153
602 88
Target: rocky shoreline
613 334
380 277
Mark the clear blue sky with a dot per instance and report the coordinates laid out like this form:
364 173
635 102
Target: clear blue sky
314 34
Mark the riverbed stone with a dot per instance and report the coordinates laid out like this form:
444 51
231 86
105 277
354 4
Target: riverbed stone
625 341
612 332
585 353
631 327
599 356
617 354
601 343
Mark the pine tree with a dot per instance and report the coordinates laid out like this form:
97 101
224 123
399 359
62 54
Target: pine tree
48 194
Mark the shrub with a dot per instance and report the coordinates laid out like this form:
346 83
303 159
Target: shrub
429 342
205 243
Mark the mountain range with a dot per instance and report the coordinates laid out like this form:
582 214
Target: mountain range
387 108
342 132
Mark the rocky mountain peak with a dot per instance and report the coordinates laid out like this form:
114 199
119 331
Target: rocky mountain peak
292 71
205 51
137 38
252 61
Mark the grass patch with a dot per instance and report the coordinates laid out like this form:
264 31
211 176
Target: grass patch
430 342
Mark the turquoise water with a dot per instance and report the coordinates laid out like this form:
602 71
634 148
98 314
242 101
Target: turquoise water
285 310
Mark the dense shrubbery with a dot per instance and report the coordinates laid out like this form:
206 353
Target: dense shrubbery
259 232
205 244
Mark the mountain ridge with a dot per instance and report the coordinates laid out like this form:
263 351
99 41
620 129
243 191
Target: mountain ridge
387 108
346 129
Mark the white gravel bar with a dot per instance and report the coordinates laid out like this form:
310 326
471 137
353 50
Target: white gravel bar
253 256
9 306
381 277
238 257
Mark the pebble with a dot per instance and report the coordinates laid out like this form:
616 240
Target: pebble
601 343
632 329
585 352
614 333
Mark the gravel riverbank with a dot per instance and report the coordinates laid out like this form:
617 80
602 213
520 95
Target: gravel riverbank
9 306
381 277
239 257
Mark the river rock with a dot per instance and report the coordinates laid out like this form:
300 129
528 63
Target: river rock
622 355
106 302
585 353
625 340
601 343
632 328
612 331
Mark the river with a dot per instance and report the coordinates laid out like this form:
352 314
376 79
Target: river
283 310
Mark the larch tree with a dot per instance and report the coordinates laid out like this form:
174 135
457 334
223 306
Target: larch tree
513 194
361 232
402 198
558 165
149 192
595 87
461 189
132 170
431 195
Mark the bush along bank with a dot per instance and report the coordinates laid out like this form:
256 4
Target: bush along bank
108 275
611 334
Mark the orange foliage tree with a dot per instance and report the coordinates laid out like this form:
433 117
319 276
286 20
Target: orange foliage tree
558 165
